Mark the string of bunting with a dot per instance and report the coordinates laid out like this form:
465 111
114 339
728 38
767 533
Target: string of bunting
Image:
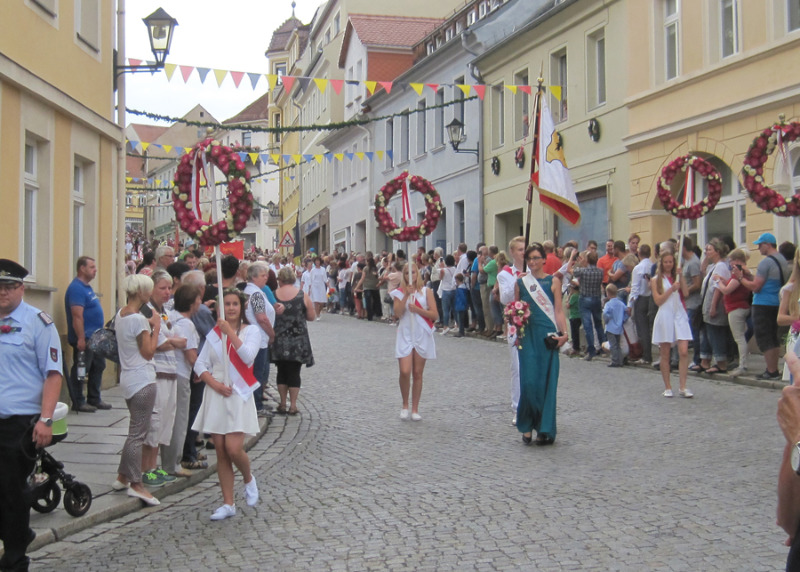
291 128
322 84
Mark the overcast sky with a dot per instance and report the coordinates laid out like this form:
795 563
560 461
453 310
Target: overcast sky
227 34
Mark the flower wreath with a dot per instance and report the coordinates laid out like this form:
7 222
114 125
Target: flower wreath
753 171
706 170
433 211
240 199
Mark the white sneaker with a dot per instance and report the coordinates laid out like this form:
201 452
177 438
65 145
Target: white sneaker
667 393
738 371
444 331
404 414
224 512
118 485
514 421
686 393
416 417
251 492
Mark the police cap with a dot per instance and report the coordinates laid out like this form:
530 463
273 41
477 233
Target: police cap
10 271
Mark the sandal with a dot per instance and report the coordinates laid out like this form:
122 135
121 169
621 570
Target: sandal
293 411
194 465
201 457
281 410
697 368
715 369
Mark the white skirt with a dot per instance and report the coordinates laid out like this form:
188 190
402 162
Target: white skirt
220 415
671 324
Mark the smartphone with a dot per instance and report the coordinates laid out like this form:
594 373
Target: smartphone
146 311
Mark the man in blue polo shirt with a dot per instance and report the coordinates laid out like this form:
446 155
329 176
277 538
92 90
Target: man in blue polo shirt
771 274
84 317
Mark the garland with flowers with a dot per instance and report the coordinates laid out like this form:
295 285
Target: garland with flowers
762 147
517 314
240 198
705 170
433 210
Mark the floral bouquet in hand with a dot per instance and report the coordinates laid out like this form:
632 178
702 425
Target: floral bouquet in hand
792 337
517 314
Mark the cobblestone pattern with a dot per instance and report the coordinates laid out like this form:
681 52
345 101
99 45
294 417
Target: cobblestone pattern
634 482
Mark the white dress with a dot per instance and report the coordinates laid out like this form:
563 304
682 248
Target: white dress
222 415
319 285
672 322
419 338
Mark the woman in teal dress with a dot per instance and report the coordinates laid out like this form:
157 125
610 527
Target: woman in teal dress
538 365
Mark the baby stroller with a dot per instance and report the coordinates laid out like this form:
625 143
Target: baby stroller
48 472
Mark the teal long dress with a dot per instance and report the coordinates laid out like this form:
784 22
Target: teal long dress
538 370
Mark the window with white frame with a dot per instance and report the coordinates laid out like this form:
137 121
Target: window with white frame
793 14
729 27
247 138
422 127
355 173
78 209
337 24
50 7
337 176
460 222
522 103
472 17
365 162
430 47
29 200
498 116
280 69
87 23
448 34
483 8
671 38
438 119
596 68
459 95
389 143
405 128
558 77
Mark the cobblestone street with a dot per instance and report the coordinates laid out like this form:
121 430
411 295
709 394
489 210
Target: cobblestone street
634 481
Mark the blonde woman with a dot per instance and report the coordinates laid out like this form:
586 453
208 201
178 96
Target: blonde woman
415 308
671 325
789 309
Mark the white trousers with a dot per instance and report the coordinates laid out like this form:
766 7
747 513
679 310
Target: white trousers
512 340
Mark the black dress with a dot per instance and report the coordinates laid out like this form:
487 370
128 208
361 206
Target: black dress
291 333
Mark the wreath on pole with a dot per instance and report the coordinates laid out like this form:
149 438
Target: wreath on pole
757 155
689 164
433 211
203 157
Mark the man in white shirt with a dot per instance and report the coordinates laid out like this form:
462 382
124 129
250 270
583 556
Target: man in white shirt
462 264
506 279
639 301
259 311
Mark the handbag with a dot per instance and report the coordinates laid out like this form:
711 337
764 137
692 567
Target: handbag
387 299
103 342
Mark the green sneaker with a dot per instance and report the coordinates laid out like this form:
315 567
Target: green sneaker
165 476
151 479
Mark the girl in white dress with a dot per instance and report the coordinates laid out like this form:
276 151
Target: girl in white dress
672 323
224 413
318 285
415 307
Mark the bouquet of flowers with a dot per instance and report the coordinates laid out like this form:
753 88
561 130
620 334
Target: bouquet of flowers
517 314
793 336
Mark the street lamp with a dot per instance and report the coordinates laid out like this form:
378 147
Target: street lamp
160 27
273 209
455 132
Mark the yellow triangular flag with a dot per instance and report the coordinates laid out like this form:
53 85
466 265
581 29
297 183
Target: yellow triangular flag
360 155
167 148
272 79
319 158
169 69
512 88
187 150
321 84
417 87
253 157
297 158
144 145
556 91
371 86
464 88
220 75
128 179
339 156
158 181
379 154
276 158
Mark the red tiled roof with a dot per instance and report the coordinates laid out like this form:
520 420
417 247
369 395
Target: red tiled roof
376 31
148 133
253 112
280 37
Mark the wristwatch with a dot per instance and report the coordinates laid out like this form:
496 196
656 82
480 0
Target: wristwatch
48 421
796 458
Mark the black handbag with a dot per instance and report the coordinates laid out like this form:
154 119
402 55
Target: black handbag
103 342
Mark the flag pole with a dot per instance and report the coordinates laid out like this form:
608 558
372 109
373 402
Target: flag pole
537 108
218 255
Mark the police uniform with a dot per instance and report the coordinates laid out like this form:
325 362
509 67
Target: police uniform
30 350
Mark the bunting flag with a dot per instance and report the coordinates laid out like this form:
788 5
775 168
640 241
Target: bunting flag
552 177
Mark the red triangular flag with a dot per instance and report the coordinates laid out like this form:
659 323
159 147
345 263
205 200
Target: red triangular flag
433 86
387 85
186 71
525 89
134 63
237 77
337 85
288 82
480 90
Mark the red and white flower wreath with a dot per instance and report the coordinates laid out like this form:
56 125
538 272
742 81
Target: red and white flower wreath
762 147
433 212
705 170
186 199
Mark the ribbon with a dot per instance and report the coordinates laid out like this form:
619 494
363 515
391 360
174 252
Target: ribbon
688 195
406 202
244 381
200 164
427 320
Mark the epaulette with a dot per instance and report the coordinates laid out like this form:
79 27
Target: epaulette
45 317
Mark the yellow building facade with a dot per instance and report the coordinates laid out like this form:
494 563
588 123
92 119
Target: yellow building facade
58 145
705 77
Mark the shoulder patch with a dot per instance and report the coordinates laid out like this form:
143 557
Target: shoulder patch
45 317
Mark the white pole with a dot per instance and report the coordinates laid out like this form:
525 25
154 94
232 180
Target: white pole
218 255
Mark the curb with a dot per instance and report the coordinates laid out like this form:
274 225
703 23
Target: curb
45 536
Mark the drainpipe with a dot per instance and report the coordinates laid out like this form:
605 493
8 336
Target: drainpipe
476 75
299 182
369 197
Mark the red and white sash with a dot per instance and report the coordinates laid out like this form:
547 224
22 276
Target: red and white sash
536 292
244 381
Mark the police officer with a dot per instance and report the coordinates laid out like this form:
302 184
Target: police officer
30 384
